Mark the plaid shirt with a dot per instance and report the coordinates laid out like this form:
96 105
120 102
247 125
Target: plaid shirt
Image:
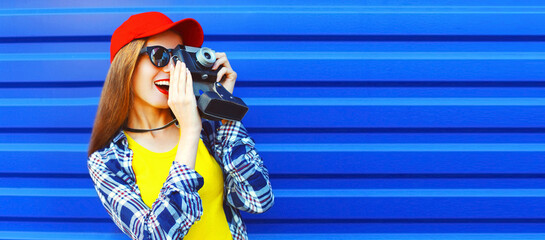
178 206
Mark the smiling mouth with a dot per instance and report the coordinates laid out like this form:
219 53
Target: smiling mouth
163 85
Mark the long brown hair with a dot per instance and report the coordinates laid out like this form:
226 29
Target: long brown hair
116 97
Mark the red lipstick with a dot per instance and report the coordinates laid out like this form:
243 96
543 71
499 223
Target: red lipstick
162 85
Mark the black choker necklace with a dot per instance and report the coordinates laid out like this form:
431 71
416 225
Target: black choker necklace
149 130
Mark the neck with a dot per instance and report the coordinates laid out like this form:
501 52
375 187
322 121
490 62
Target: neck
141 117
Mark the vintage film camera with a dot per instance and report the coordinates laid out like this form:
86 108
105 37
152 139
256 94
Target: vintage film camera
213 100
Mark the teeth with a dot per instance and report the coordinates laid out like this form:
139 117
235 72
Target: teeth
162 83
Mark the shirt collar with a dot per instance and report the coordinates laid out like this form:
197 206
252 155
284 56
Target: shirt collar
120 136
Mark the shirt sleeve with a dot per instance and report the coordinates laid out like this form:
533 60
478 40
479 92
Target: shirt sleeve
246 178
172 214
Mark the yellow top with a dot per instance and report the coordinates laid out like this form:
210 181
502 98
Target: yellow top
151 170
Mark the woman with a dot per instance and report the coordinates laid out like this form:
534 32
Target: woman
162 181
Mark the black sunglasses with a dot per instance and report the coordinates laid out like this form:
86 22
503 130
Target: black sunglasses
159 55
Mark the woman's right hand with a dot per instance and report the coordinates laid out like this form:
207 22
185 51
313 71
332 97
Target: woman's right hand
181 100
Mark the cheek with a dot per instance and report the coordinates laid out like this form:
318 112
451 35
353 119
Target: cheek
143 76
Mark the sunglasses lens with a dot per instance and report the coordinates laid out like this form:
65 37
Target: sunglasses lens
159 56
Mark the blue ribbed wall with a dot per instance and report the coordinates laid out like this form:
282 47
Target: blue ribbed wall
377 120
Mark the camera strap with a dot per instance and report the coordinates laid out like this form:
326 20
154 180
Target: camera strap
149 130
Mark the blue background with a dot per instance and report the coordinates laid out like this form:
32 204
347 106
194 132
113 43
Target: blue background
377 119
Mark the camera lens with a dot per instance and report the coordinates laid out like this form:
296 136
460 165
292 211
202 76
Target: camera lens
206 57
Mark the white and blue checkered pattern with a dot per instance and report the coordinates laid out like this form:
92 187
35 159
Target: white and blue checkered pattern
178 206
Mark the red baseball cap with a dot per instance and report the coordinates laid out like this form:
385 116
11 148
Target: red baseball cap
150 23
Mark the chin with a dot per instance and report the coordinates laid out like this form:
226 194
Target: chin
162 106
159 102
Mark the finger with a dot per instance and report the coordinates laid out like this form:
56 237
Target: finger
222 72
183 79
220 55
223 57
179 66
173 84
189 84
219 62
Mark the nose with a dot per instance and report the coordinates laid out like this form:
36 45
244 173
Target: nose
171 64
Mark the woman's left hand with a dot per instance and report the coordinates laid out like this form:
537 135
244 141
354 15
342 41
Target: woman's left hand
227 70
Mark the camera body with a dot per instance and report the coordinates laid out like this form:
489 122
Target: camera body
200 67
213 100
